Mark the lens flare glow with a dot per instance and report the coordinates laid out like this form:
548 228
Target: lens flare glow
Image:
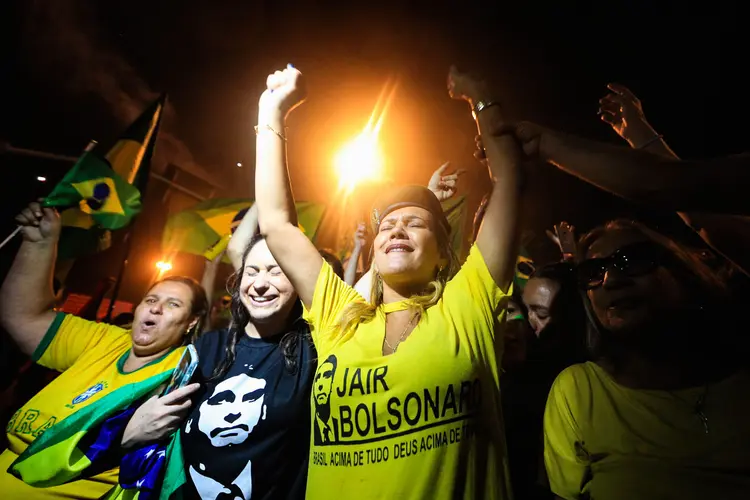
163 267
362 159
359 160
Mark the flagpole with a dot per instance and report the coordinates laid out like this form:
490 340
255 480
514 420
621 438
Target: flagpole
120 274
10 236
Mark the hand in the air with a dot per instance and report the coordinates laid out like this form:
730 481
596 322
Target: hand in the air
285 90
158 417
555 237
38 224
529 135
623 111
359 236
444 184
465 86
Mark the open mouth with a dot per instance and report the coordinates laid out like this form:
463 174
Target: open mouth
398 247
148 324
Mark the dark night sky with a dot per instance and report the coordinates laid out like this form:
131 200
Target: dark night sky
75 70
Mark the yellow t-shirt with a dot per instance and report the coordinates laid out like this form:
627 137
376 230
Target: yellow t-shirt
422 423
606 441
91 358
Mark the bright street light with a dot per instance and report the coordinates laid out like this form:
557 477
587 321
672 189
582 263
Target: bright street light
163 267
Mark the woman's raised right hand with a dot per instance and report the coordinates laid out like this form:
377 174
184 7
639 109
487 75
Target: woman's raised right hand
285 90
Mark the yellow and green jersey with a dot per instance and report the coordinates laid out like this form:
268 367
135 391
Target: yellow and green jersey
91 357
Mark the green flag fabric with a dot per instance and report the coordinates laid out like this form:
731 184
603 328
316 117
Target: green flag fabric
205 225
455 211
98 191
104 189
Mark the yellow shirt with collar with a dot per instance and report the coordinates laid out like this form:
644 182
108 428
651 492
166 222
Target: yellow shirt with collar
422 423
90 357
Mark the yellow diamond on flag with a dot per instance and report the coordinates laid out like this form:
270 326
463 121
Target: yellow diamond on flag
73 217
100 190
221 223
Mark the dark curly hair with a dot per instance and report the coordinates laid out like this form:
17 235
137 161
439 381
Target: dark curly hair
290 343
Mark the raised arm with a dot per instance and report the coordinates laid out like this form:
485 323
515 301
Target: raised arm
350 273
277 217
726 234
208 280
702 185
498 235
623 111
242 236
26 298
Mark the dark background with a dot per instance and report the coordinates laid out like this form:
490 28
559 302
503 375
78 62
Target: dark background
74 71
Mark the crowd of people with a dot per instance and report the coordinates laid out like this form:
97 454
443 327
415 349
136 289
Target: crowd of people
617 372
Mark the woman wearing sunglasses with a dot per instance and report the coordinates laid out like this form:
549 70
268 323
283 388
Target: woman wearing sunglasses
663 412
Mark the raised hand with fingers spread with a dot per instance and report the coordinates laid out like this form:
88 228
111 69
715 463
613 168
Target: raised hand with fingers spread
623 111
442 183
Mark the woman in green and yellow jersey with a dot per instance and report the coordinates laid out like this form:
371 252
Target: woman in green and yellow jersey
405 400
95 359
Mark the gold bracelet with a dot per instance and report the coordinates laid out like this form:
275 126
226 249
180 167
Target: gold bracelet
281 136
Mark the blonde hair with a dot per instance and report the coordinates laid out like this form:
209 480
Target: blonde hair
362 312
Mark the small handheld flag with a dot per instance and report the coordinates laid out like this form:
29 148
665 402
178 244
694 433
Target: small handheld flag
108 185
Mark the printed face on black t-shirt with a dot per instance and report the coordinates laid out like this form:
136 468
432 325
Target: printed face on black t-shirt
248 434
234 408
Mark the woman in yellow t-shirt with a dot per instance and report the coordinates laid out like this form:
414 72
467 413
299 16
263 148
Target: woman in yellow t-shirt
663 412
405 400
94 359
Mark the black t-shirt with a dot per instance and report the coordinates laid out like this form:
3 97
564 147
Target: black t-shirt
248 434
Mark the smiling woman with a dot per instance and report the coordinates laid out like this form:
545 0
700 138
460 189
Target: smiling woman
248 430
407 397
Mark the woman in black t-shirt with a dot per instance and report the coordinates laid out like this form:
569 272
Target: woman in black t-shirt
247 435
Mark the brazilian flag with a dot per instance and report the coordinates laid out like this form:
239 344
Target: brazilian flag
524 268
205 228
67 450
104 189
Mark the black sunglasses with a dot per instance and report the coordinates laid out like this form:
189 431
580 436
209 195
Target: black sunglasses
637 259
